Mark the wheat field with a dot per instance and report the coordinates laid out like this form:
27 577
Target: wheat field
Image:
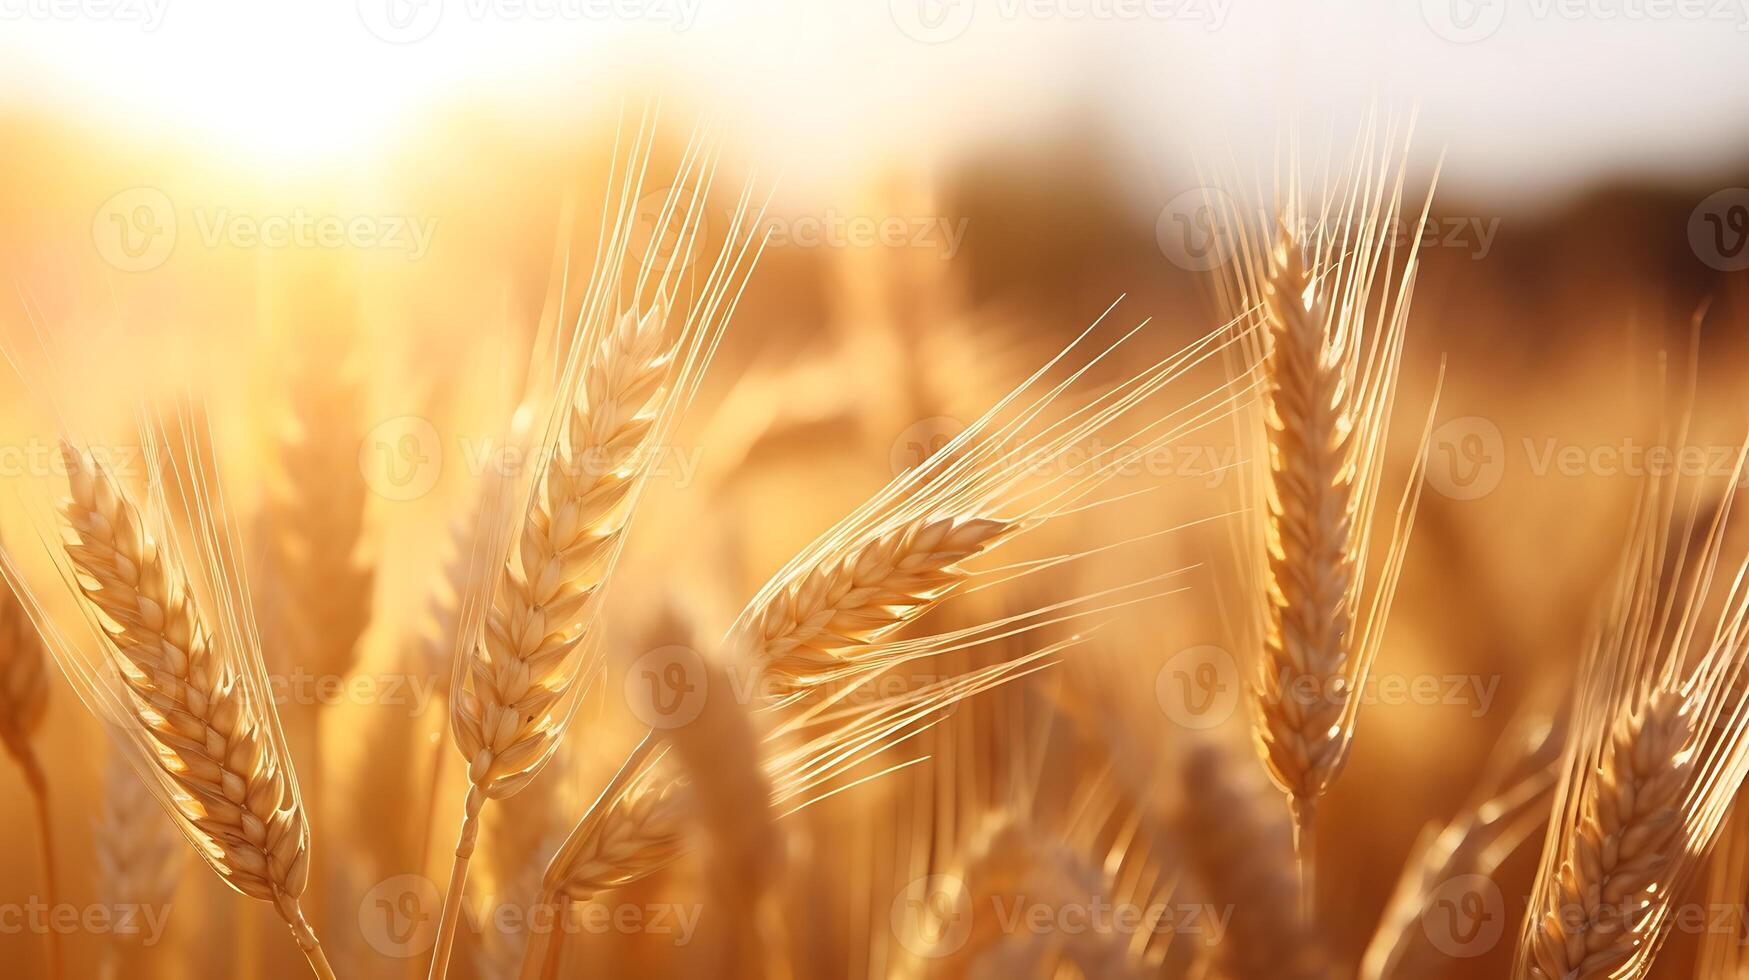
574 546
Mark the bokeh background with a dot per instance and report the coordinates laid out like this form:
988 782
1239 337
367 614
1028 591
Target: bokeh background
957 187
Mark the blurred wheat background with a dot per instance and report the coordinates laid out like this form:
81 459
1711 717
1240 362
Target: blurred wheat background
342 225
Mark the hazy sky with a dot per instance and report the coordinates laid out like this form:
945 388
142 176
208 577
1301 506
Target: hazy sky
1527 97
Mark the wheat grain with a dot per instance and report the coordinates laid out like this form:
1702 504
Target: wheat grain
229 781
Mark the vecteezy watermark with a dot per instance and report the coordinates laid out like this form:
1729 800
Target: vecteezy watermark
1468 457
1207 464
36 457
408 21
1201 687
135 230
834 229
668 687
940 21
402 458
138 229
414 692
1474 691
1465 916
668 231
398 917
135 921
302 228
1202 228
148 14
921 440
1469 21
936 915
1718 230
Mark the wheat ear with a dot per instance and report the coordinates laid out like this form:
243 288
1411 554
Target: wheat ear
510 708
1629 834
210 743
1661 747
24 699
851 600
1333 302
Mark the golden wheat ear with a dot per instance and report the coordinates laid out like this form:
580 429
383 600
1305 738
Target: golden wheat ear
1043 452
526 647
1660 745
170 658
1329 296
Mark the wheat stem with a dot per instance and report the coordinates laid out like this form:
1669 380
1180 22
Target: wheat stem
39 791
1306 853
458 880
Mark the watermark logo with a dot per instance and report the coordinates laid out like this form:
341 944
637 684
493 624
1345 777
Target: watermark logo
135 230
401 458
1199 688
921 440
667 687
932 916
1465 916
1718 230
1464 21
1466 458
660 237
401 21
398 917
149 14
832 228
932 21
1192 229
141 923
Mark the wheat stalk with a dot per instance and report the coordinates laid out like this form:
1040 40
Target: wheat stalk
210 741
24 699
